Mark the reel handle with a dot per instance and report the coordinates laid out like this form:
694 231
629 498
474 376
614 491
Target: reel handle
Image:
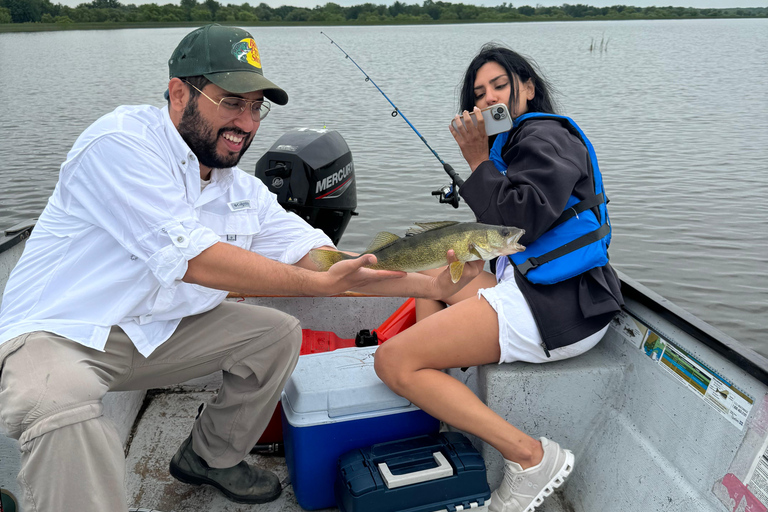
447 195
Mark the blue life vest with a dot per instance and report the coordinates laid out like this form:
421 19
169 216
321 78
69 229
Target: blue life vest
578 240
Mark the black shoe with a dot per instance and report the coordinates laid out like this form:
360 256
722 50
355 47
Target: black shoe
241 483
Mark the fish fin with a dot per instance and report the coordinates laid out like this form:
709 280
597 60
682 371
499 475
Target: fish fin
382 240
481 252
324 258
457 268
429 226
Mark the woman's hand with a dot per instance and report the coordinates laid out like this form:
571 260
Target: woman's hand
442 283
471 138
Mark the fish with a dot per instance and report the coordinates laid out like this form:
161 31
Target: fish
424 247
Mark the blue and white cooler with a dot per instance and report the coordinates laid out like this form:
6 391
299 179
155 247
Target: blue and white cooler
334 403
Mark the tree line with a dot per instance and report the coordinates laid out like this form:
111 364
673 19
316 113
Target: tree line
190 11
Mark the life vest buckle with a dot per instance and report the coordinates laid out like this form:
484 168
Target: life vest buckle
527 265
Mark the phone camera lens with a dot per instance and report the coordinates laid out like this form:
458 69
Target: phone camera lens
500 110
497 116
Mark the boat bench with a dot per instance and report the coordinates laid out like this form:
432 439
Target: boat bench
565 401
635 430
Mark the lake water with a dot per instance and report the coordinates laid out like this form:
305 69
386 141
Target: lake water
677 112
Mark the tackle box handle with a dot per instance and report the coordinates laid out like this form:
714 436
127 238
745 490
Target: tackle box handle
442 470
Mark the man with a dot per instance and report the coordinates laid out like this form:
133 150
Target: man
122 286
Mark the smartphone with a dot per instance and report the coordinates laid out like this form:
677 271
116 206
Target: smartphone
497 119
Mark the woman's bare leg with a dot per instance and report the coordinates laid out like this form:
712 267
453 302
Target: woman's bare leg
466 334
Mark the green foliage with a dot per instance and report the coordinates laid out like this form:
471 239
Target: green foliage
25 11
246 16
298 14
526 10
200 14
429 11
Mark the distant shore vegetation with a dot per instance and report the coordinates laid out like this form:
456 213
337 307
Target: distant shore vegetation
29 15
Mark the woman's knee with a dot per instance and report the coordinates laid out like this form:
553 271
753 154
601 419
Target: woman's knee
390 368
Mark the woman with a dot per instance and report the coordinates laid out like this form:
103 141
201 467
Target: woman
540 176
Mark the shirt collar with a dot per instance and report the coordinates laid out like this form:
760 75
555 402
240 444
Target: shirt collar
184 156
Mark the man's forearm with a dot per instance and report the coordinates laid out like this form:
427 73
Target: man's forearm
412 285
225 267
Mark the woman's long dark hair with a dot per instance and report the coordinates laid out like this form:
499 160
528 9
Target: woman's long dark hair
518 68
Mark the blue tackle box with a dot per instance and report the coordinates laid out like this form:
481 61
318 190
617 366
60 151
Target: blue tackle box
429 473
333 403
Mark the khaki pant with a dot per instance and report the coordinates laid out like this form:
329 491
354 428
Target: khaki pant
51 392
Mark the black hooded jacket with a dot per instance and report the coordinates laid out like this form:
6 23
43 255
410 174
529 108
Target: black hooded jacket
546 164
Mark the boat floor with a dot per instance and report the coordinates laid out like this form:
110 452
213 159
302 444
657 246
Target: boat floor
164 423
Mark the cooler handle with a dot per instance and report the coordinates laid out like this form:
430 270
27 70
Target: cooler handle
442 470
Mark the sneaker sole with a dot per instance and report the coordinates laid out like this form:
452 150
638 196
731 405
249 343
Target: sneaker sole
553 484
186 478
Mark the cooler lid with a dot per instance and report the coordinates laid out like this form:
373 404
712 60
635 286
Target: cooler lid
339 383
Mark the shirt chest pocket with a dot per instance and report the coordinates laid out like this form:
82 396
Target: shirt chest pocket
236 228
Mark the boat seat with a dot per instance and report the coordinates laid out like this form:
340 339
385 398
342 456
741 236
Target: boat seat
564 400
627 421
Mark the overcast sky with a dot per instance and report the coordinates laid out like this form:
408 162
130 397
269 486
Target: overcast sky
701 4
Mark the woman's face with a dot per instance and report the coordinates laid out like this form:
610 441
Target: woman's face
493 85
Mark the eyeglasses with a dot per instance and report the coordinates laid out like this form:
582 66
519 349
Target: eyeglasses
231 107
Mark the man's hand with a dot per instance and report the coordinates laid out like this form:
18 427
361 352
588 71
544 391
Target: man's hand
352 274
431 284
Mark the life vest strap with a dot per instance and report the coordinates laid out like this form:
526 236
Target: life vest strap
582 241
579 207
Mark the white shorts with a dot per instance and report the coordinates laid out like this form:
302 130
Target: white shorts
519 338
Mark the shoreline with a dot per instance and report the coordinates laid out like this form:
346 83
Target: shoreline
50 27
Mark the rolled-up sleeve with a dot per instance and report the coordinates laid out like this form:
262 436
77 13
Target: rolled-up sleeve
120 184
169 264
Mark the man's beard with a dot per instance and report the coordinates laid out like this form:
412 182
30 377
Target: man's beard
198 135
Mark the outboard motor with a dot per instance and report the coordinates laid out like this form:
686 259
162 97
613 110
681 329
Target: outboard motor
312 174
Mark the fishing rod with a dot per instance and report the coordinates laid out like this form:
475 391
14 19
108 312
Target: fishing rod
449 193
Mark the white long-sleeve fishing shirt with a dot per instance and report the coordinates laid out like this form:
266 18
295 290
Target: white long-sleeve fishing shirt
127 214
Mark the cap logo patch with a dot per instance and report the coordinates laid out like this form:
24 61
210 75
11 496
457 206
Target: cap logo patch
246 51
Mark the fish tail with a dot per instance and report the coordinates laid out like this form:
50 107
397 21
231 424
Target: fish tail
324 258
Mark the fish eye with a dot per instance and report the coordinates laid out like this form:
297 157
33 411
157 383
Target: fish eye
505 232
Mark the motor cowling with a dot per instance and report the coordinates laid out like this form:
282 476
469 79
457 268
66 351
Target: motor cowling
313 175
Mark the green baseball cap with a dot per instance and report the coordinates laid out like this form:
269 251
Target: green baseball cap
228 57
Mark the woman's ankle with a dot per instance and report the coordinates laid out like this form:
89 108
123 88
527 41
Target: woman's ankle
526 454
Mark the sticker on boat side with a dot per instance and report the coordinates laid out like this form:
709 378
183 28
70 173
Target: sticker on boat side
631 329
738 493
717 392
757 477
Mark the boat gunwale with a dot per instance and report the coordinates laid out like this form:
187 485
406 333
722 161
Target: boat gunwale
726 346
13 236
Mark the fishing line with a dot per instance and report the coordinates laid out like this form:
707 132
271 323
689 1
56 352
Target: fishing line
449 193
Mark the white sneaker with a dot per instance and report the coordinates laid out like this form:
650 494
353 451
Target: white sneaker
522 490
